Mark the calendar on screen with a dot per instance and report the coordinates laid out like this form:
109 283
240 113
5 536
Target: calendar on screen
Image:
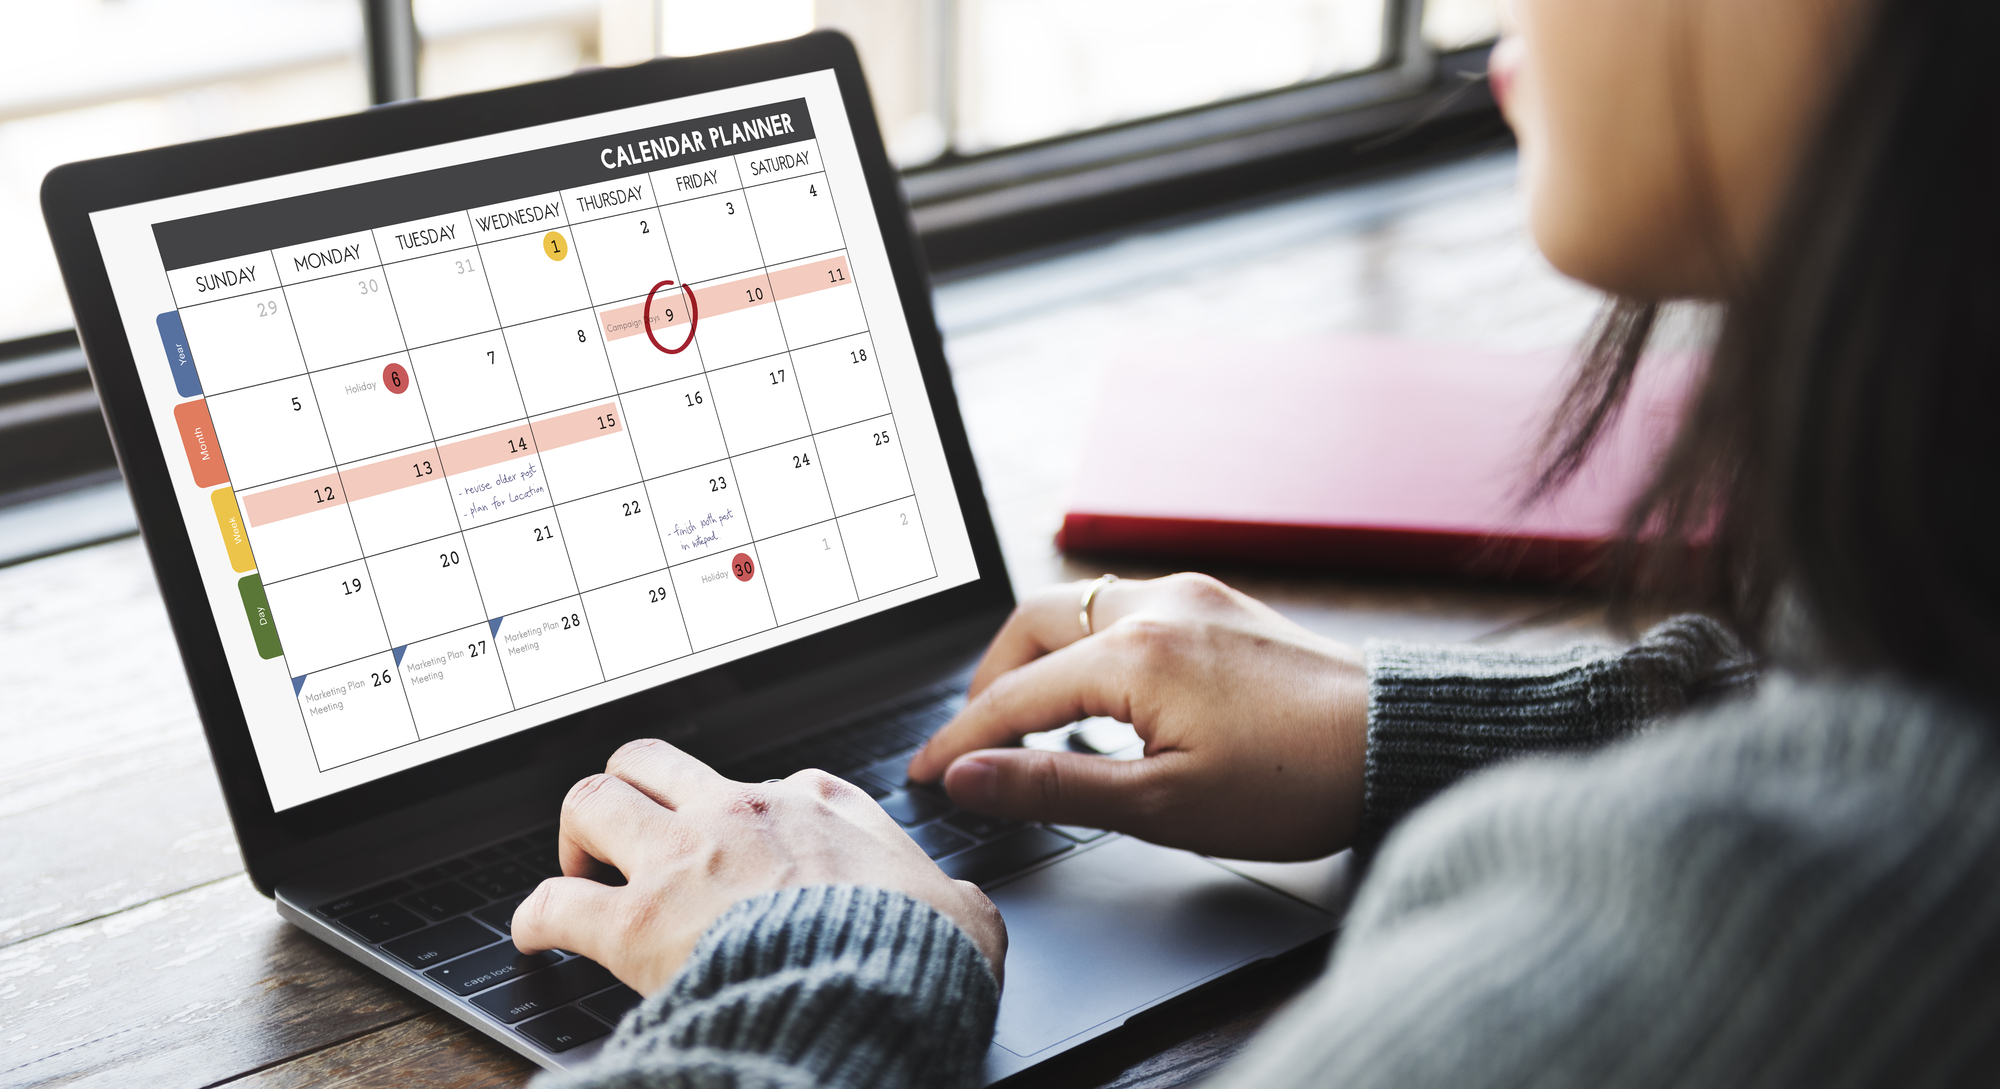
476 436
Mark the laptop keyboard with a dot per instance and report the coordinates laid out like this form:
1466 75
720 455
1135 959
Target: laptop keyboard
452 921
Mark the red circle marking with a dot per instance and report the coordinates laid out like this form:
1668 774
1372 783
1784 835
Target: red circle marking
744 566
395 379
646 317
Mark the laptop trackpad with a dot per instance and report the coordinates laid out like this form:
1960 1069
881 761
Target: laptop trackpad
1110 931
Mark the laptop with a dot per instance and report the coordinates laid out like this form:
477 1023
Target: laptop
473 438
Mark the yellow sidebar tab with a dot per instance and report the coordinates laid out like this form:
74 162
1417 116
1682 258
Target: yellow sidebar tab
231 521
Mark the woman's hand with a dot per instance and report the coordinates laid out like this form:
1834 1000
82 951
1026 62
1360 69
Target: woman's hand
1254 727
691 843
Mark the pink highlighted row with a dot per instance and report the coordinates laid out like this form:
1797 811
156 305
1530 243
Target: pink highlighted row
426 464
728 297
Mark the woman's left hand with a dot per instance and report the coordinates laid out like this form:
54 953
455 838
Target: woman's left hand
691 843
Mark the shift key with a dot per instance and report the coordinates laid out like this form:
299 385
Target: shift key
544 991
494 964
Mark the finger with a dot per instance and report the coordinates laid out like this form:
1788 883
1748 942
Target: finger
1083 679
662 772
1049 620
1030 632
1063 787
606 819
570 913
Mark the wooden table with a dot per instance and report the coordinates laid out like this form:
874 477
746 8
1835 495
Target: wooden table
133 950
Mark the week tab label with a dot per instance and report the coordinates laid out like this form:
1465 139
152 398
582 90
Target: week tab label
230 521
180 359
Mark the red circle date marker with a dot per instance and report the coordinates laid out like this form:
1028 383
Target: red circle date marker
744 566
395 379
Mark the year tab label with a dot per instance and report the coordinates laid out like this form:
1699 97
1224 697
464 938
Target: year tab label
180 358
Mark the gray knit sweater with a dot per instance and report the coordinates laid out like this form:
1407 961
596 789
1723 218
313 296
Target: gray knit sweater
1799 887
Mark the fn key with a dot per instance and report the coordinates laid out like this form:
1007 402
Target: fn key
563 1029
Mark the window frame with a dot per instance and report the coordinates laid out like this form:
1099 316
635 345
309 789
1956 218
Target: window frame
971 208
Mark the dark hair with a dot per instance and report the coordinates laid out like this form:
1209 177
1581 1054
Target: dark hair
1845 444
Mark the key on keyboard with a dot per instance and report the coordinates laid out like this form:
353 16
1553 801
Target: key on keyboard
1005 855
440 943
439 872
500 916
506 878
475 972
613 1004
981 826
364 898
564 1029
379 924
914 806
938 841
557 986
444 901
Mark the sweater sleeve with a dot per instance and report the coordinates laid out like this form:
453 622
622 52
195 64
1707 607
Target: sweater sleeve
1794 890
1438 713
827 986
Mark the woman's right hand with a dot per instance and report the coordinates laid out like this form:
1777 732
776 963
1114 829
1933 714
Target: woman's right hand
1255 728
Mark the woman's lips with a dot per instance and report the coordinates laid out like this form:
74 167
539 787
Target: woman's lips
1503 65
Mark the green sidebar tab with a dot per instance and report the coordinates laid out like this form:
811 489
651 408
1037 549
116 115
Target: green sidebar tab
259 612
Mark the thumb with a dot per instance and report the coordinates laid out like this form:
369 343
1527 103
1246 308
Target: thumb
1062 787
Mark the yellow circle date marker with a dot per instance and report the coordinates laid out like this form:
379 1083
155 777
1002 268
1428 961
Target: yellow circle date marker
555 245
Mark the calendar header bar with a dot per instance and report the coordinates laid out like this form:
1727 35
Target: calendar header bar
255 228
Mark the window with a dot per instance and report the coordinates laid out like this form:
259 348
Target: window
1032 69
1459 24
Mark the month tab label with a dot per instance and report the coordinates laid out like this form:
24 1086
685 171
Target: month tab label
198 438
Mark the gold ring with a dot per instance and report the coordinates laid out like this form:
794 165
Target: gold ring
1089 596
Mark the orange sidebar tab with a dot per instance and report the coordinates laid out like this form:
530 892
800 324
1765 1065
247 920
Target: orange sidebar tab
198 436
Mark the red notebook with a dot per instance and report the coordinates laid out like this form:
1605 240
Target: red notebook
1361 454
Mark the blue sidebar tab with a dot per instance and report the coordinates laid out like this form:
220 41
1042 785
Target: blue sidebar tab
179 357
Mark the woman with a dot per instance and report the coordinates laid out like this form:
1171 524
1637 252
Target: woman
1696 883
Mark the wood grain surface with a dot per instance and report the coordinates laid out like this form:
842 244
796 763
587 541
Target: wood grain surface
134 952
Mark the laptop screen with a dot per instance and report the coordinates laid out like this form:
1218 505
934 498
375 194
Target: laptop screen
475 436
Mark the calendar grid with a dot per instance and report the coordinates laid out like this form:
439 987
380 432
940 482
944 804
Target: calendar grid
772 425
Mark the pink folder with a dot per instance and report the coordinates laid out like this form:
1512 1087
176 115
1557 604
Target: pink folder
1358 454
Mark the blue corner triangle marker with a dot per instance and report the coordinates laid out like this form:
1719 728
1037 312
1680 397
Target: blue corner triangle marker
495 624
297 684
399 653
